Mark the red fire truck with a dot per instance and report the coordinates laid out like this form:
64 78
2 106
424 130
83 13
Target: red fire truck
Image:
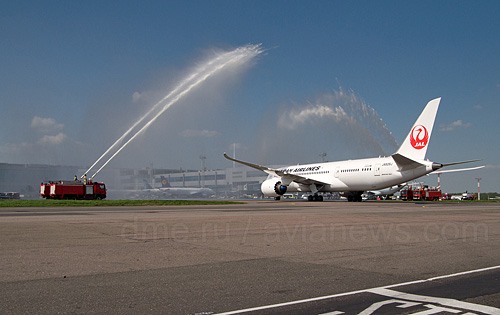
406 194
73 190
426 193
421 193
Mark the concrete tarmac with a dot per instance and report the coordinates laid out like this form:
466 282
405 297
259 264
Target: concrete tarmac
215 259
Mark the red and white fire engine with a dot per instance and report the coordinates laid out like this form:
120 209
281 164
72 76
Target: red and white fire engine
74 189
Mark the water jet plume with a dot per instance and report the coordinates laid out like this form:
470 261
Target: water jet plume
225 61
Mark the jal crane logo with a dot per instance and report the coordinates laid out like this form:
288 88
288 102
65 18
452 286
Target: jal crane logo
419 137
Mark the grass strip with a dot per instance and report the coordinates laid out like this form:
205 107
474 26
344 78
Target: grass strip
107 203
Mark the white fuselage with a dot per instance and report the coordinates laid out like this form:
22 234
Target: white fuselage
350 175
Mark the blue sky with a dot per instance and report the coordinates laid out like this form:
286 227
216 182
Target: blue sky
72 72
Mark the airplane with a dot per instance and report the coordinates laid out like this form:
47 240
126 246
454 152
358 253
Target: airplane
183 191
389 191
353 177
164 192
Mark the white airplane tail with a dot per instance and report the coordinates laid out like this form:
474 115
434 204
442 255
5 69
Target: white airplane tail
415 145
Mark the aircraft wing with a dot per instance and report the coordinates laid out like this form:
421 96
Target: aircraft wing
301 179
286 177
268 170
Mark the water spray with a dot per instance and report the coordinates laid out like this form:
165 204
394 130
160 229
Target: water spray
184 82
236 57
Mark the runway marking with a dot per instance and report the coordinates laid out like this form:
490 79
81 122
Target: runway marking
442 301
375 306
384 290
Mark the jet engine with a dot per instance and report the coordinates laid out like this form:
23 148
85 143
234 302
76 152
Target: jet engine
273 188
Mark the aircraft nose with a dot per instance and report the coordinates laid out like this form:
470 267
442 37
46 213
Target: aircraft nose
436 166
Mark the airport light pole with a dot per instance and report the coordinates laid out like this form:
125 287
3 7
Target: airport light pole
203 158
234 154
151 174
322 155
478 190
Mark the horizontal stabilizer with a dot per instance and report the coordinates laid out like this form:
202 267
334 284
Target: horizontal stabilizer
463 162
405 163
458 170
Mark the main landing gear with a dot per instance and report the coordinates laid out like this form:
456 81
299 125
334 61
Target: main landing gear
356 197
314 197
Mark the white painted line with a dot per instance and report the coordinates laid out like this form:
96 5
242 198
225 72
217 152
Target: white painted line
259 308
440 277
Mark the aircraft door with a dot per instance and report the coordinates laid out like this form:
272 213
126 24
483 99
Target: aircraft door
337 171
377 169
